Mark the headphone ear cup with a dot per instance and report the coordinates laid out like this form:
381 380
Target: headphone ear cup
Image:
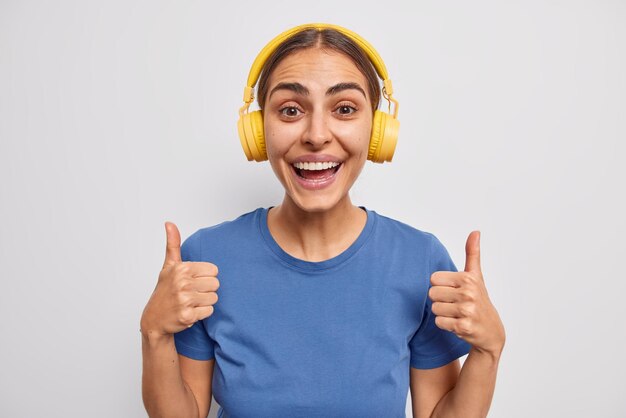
251 135
384 137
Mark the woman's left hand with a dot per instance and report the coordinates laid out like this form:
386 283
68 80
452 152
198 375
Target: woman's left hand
461 303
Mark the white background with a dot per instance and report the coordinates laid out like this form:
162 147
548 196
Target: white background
117 116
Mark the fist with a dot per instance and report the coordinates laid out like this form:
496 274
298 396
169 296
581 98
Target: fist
461 303
185 291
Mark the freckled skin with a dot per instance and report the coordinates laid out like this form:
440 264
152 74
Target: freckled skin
319 126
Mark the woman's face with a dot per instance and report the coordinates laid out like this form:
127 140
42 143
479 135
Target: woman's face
317 119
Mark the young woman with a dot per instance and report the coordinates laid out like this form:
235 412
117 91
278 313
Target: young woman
326 309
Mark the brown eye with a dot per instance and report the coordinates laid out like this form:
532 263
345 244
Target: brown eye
346 110
290 111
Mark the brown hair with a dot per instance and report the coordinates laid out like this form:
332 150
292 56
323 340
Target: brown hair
324 39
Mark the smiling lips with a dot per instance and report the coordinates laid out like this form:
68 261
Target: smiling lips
314 175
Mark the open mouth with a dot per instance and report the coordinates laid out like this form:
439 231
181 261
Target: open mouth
316 171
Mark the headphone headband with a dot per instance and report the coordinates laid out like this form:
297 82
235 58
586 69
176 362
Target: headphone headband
255 70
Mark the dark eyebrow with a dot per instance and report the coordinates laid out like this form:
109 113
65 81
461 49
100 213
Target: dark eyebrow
344 86
295 87
303 91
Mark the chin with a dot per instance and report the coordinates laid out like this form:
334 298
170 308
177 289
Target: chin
317 204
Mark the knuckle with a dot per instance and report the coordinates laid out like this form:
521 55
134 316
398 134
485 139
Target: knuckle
186 317
467 279
180 285
464 327
466 309
182 298
181 269
216 283
467 295
215 297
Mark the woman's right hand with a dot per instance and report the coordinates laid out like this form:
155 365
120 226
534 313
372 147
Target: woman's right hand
185 292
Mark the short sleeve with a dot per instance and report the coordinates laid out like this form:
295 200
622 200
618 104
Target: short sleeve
432 346
193 342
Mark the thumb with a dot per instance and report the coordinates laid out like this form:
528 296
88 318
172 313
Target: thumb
172 249
472 252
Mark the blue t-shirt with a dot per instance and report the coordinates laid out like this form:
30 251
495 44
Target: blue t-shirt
335 338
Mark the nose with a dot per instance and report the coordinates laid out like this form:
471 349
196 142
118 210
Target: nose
318 132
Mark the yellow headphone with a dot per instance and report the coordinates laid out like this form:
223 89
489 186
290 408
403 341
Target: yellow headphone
384 127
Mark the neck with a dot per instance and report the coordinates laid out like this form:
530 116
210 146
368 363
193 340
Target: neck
315 236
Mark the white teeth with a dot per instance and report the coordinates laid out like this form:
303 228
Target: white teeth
315 165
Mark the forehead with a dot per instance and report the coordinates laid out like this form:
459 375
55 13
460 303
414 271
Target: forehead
317 66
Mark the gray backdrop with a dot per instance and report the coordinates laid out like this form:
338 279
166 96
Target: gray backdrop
117 116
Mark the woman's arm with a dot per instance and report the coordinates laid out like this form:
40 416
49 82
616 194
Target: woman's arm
469 396
462 306
185 293
429 386
164 391
198 375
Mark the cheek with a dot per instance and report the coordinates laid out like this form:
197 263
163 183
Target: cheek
359 138
276 140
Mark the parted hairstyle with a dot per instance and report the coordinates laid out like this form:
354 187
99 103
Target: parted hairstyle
324 39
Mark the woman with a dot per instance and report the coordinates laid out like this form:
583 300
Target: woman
326 309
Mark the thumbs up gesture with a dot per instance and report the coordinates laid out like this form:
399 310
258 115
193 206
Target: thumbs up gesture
461 303
185 292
